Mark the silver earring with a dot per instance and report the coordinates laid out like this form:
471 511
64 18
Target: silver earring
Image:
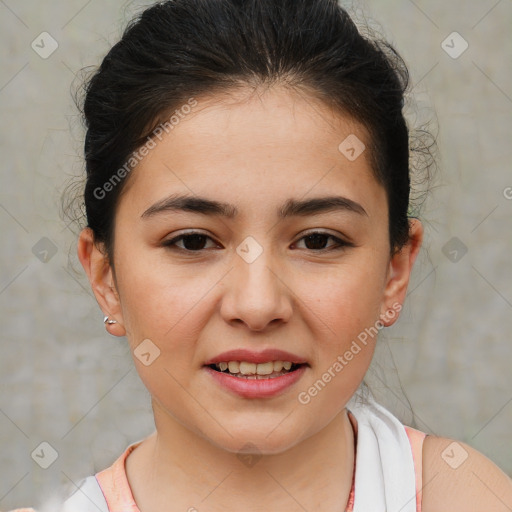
107 321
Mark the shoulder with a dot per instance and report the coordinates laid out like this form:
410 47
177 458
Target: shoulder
458 478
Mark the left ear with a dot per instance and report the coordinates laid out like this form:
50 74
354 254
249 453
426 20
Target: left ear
399 273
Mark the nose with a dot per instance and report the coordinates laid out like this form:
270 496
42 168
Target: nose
256 295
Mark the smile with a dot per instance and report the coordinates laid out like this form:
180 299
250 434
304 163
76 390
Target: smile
247 370
251 380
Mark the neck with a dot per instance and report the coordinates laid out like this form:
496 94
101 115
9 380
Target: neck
176 465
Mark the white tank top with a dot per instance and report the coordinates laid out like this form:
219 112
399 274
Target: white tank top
384 477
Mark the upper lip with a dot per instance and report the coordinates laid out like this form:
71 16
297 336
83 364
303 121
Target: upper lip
269 354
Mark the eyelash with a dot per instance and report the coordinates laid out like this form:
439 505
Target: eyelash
340 244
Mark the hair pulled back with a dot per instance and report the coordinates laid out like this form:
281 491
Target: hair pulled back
180 49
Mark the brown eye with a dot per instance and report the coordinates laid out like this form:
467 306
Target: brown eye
316 241
192 242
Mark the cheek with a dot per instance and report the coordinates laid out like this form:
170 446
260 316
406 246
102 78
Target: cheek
147 298
343 308
347 298
343 316
169 304
168 307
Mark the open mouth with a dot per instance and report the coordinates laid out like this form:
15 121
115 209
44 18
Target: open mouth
245 370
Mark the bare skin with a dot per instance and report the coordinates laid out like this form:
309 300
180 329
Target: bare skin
255 152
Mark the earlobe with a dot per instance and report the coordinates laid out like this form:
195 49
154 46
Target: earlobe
99 272
400 268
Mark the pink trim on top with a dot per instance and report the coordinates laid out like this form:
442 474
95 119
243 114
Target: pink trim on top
115 487
351 496
416 438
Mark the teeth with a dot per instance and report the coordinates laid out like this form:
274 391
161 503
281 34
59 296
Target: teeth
278 366
254 370
247 368
265 368
234 366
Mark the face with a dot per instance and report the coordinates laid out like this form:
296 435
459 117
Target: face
274 269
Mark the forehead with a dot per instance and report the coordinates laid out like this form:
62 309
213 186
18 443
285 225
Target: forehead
258 144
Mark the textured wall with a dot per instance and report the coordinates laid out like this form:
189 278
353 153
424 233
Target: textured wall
65 381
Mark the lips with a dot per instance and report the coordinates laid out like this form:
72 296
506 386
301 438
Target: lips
251 388
264 356
247 384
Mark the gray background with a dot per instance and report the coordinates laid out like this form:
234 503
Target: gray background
64 380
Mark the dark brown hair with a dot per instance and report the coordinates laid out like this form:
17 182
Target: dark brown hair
180 49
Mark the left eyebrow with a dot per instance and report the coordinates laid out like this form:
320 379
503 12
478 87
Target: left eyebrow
291 208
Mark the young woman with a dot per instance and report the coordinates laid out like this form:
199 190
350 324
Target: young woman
247 203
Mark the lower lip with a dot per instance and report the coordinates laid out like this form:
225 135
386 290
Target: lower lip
257 388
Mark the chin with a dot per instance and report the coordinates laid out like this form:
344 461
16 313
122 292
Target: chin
264 439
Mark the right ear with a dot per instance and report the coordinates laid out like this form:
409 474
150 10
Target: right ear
97 267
